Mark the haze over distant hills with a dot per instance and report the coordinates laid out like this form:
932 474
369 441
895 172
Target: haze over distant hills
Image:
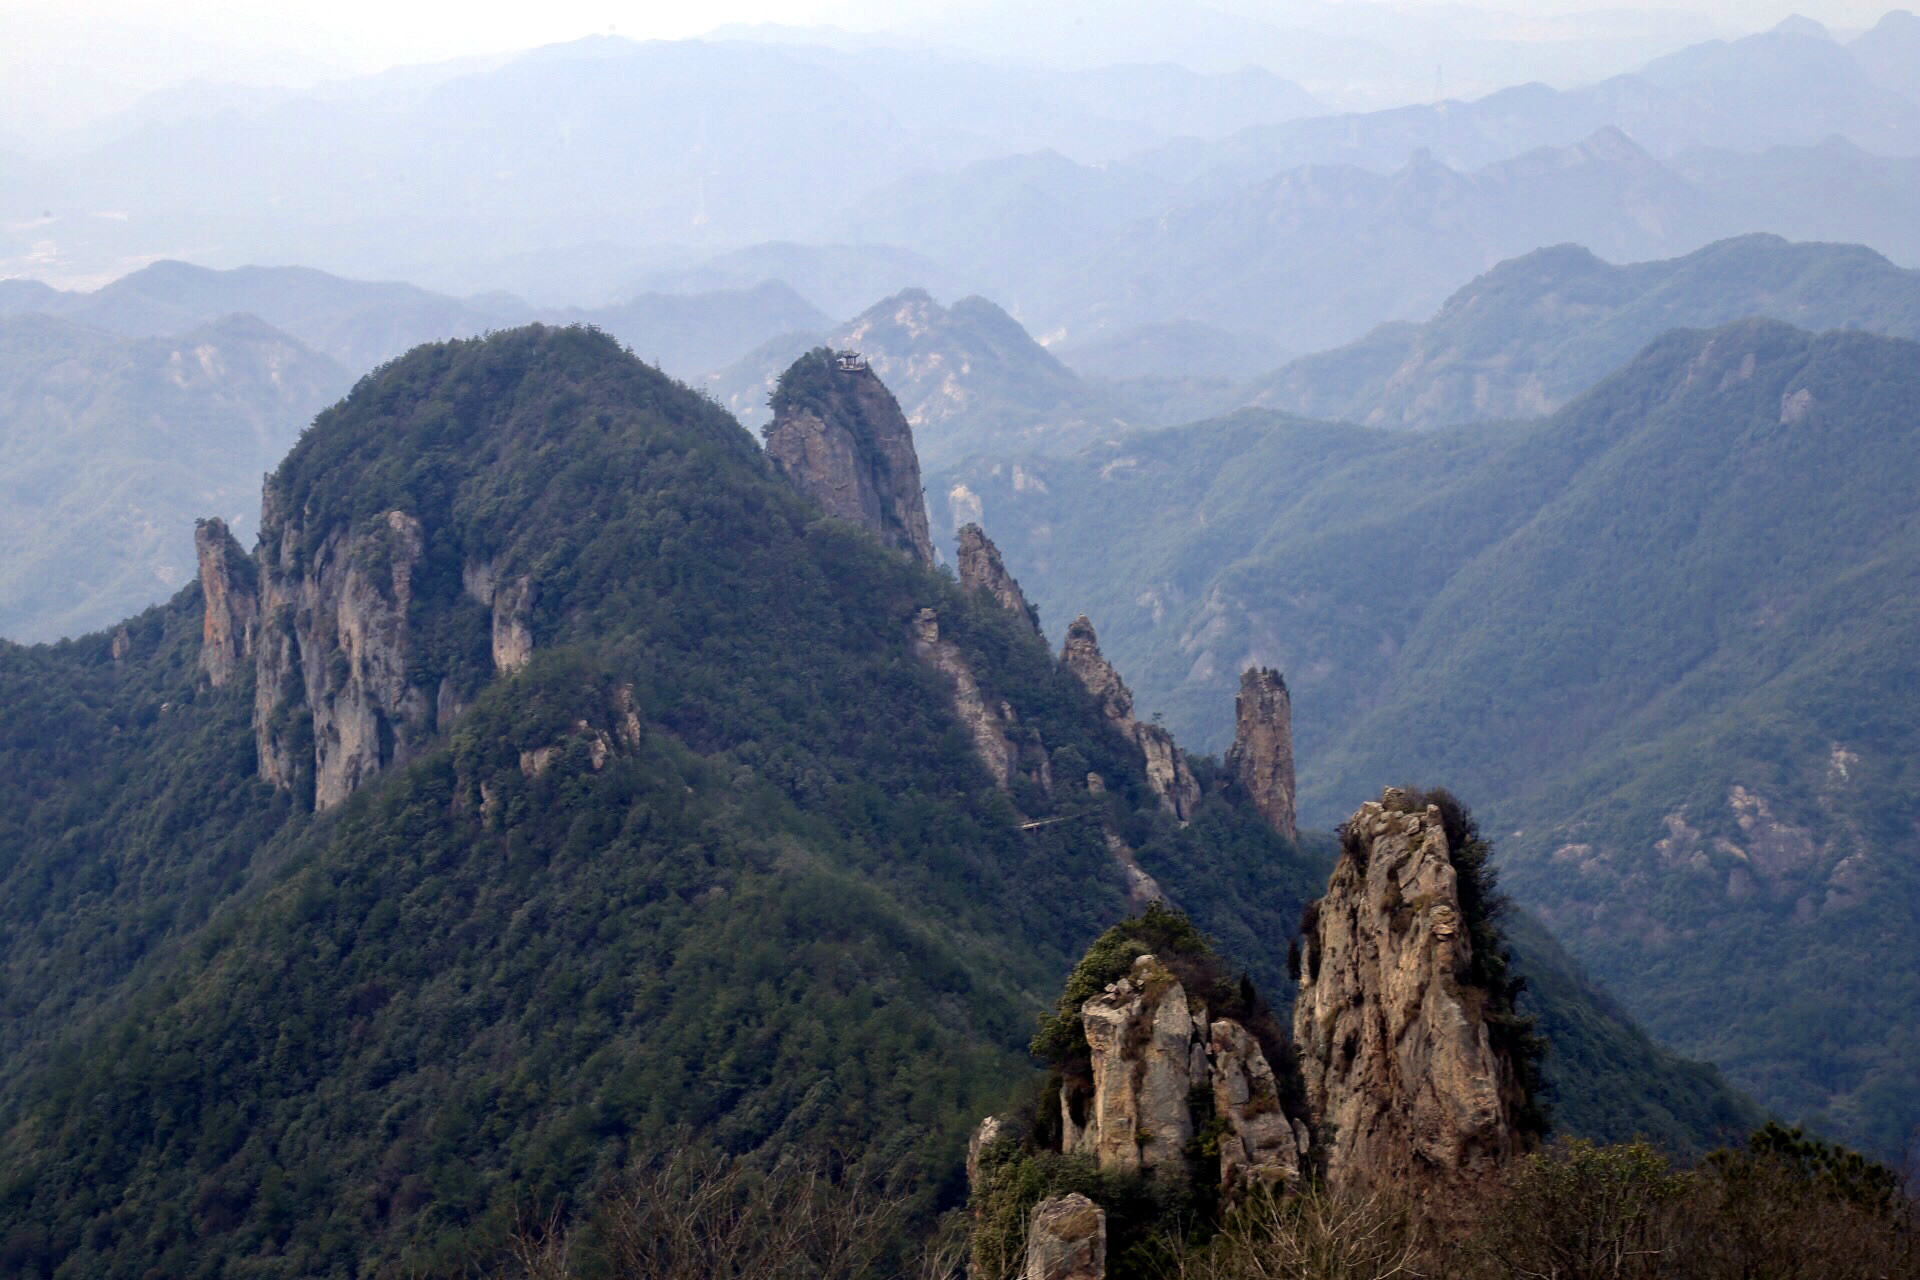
603 152
110 446
968 377
128 411
1534 332
361 323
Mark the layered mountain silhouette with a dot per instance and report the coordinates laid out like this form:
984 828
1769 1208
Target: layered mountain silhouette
1536 331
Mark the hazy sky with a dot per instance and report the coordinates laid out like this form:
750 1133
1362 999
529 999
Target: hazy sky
62 61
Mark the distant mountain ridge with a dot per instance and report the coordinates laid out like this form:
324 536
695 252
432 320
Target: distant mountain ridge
969 378
1526 337
364 323
108 443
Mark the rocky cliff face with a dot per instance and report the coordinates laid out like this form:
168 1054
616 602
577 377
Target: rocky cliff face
1167 770
1391 1035
838 436
1003 745
511 601
981 569
1153 1047
229 585
1261 759
332 691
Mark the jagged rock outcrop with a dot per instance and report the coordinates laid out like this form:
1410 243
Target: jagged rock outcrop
512 602
981 569
1141 1030
1261 758
229 588
1003 745
1152 1047
1166 767
1066 1240
332 690
839 437
1391 1035
1261 1143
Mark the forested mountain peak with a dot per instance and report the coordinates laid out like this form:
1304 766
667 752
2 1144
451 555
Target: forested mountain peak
648 801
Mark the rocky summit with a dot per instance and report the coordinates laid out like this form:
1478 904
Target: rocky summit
1399 1057
1261 760
1153 1045
838 436
1167 768
981 569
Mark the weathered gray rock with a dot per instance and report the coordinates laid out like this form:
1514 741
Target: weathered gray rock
1396 1055
1141 1030
1066 1240
230 590
1260 1145
1168 773
511 600
981 569
512 636
1261 758
839 437
988 1131
331 652
989 724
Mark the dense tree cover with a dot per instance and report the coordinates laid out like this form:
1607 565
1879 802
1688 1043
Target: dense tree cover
796 911
1666 641
786 907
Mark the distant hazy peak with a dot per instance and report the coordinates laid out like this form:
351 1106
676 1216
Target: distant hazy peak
1799 24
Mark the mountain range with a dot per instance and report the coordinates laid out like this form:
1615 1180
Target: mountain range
363 323
108 442
1663 636
553 783
1534 332
452 178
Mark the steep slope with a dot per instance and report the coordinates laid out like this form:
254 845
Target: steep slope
838 436
1659 638
968 376
1534 332
110 445
720 854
